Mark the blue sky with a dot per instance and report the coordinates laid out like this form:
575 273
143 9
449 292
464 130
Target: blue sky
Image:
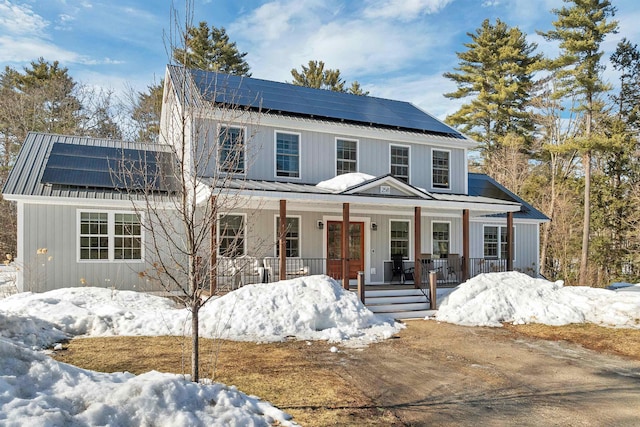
396 49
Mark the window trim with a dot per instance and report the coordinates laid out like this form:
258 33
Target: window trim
275 154
440 222
244 146
276 231
409 168
110 235
433 184
499 227
410 237
219 229
335 152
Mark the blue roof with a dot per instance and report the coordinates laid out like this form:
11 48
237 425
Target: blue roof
485 186
286 98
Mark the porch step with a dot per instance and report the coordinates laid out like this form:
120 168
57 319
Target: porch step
393 292
404 303
393 308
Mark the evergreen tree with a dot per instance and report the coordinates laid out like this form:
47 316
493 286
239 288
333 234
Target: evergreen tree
317 77
580 29
210 49
496 75
146 113
356 89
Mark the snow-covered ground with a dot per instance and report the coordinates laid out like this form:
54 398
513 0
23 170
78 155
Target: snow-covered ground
37 390
496 298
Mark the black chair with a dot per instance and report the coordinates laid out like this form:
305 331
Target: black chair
399 271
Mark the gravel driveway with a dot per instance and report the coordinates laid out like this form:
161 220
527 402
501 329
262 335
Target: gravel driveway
439 374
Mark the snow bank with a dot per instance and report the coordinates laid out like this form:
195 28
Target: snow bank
494 298
344 181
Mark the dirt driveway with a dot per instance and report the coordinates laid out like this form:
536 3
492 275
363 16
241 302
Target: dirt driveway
439 374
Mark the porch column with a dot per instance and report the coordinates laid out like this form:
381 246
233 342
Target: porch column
282 241
417 229
509 241
345 245
213 261
465 244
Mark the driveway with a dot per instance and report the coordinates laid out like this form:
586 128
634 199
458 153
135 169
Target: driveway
439 374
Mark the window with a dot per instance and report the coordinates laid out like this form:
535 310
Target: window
231 236
495 241
288 155
110 236
346 156
292 237
400 162
440 237
231 149
399 238
440 168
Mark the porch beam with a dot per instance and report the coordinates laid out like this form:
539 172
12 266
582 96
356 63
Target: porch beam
345 245
509 241
417 248
465 244
282 241
213 248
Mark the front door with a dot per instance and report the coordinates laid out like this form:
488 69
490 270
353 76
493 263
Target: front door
334 249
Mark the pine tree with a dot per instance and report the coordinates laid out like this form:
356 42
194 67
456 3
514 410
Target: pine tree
146 113
210 49
580 29
317 77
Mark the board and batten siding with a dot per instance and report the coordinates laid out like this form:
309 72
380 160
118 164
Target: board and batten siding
318 156
525 248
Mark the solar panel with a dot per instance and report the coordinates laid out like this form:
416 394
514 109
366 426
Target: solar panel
107 167
319 103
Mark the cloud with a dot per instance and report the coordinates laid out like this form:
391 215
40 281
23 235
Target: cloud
405 10
20 19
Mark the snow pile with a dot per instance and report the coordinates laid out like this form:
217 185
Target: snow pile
494 298
344 181
37 390
7 280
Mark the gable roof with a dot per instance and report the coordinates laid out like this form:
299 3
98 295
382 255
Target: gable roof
300 101
483 185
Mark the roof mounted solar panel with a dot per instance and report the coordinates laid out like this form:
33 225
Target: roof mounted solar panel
107 167
287 98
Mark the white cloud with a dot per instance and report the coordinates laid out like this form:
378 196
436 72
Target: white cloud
24 49
405 10
20 19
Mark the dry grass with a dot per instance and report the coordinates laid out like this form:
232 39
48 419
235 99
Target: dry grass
294 376
624 342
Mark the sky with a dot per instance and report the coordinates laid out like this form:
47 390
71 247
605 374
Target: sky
397 49
35 387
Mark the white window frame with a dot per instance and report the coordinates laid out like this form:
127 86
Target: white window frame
277 233
409 168
500 228
440 222
433 184
275 154
244 232
110 236
243 129
410 237
357 153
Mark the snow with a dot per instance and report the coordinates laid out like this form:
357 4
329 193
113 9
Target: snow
496 298
35 387
344 181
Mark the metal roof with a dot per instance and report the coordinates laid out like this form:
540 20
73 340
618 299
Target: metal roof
289 99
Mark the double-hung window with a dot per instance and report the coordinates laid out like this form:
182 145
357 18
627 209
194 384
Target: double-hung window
287 155
231 149
495 241
440 168
399 238
109 236
440 237
400 162
346 156
231 235
292 237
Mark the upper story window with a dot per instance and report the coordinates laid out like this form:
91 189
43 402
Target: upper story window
440 168
346 156
109 236
495 241
399 238
231 149
400 162
231 235
292 238
288 155
440 238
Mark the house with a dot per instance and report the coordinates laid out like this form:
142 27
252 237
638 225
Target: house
307 164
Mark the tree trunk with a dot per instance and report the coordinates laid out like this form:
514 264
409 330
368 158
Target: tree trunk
584 260
546 228
195 310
